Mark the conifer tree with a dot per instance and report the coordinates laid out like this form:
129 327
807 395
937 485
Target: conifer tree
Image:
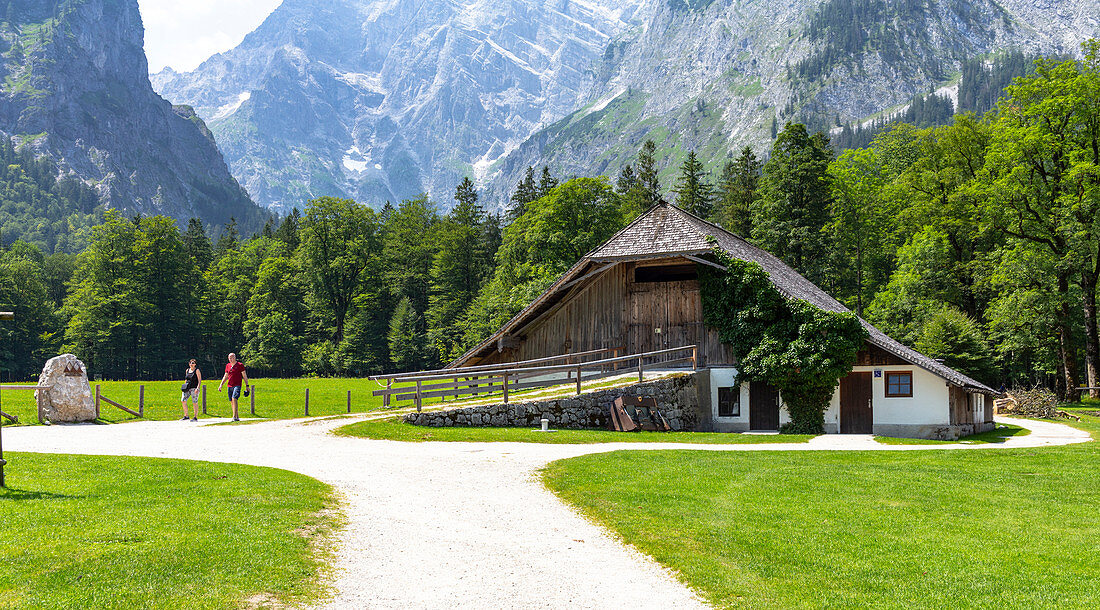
795 201
463 261
647 175
737 192
526 192
197 245
693 192
547 182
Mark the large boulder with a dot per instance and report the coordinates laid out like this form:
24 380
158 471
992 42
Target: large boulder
69 397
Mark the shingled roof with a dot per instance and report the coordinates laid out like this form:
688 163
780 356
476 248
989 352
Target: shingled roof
668 231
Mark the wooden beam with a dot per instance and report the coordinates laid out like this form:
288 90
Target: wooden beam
598 271
703 261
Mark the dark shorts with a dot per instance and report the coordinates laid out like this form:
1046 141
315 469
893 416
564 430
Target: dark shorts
234 392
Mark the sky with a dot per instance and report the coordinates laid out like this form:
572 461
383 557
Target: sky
183 34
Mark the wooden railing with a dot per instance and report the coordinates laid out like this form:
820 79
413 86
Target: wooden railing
100 398
13 419
515 376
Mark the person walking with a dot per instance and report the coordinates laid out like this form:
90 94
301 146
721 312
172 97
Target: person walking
234 376
192 379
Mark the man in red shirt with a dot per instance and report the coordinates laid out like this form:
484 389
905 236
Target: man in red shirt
234 375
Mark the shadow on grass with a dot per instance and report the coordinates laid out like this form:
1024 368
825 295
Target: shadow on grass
14 494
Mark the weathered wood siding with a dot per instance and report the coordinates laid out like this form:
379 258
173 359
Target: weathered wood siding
613 311
959 400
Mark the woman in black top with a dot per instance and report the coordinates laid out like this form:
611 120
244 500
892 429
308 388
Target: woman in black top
192 379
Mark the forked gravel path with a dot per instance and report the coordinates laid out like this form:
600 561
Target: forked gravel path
449 525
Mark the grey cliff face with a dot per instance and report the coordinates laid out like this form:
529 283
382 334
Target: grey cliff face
713 79
76 88
385 99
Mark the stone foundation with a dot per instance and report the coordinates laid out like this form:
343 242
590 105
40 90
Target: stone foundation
677 398
937 432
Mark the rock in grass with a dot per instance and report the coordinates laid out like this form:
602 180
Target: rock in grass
69 397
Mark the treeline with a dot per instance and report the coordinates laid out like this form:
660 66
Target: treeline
980 87
39 208
977 243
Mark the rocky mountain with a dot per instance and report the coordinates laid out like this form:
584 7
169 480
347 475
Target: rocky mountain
384 99
715 75
76 89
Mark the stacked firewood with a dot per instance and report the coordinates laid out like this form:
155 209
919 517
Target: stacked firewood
1037 402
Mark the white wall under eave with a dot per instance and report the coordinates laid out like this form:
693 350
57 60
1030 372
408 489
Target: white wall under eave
929 406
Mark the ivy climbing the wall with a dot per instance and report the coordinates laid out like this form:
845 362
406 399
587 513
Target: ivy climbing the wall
789 343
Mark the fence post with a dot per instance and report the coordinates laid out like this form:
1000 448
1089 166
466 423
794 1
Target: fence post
386 398
418 396
141 400
307 402
504 380
641 374
694 358
204 399
349 401
97 401
252 399
578 380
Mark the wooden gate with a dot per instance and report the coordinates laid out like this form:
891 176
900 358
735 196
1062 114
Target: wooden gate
661 315
856 411
763 406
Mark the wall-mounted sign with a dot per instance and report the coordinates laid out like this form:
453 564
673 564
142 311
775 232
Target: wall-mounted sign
878 373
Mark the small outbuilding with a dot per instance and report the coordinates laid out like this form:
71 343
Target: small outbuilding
640 292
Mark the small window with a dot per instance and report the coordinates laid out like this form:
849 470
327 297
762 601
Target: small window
668 273
899 384
729 402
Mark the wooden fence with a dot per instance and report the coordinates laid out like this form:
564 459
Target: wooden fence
515 376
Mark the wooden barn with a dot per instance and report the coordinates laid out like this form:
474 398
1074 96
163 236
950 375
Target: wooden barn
639 292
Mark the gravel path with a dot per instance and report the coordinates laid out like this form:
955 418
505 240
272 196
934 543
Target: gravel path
455 525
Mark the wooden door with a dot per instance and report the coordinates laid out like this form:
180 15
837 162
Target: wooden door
856 412
647 312
763 406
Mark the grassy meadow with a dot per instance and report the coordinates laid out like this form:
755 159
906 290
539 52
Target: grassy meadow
1013 528
123 532
275 399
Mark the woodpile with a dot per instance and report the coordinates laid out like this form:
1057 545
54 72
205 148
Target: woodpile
1037 403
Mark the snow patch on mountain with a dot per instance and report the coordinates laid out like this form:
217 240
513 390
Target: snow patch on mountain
231 107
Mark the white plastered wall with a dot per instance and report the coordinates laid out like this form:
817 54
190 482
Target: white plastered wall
724 378
929 405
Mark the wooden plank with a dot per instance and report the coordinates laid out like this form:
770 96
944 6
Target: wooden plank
13 419
115 404
488 367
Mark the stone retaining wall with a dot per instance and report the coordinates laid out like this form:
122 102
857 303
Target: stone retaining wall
677 398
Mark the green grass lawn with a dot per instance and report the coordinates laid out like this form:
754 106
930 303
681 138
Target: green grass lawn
393 429
926 529
121 532
275 399
999 434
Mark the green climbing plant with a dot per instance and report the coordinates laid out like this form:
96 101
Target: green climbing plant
789 343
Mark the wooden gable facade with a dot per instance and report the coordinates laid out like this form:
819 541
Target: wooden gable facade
633 306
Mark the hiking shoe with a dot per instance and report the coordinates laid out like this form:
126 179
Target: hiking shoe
236 419
194 419
184 418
